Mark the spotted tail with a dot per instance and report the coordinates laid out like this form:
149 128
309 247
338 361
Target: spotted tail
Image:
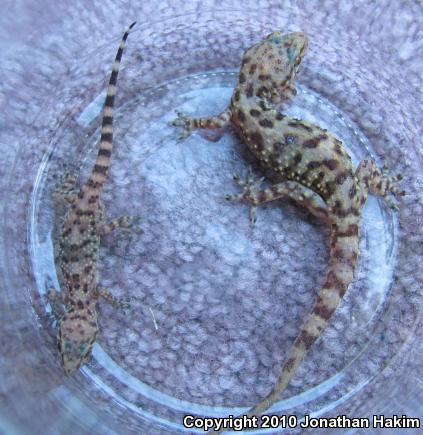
342 262
102 163
343 258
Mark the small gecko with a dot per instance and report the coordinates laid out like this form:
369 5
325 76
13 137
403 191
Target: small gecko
314 168
78 246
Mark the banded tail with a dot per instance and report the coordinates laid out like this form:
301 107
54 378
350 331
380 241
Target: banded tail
102 163
343 258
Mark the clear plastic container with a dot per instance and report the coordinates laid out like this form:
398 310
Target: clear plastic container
216 303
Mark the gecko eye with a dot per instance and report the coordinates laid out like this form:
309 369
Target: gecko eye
275 37
290 139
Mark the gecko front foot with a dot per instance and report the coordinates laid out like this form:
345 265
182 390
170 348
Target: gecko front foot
57 301
184 122
250 186
124 304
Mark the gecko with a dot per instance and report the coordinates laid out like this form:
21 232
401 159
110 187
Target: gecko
78 244
313 169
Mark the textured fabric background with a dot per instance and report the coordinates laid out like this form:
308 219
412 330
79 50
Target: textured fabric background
213 345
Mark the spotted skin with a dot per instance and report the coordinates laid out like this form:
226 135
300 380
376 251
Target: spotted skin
314 168
78 246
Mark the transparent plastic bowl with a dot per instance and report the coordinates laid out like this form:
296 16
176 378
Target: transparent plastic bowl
216 303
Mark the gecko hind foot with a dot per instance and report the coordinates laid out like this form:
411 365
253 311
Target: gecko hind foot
135 224
128 224
390 186
65 189
250 186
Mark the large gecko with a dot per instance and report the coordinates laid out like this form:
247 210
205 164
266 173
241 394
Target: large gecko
78 246
314 168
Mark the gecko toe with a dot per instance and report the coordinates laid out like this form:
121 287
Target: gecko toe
51 320
253 215
182 121
234 197
124 304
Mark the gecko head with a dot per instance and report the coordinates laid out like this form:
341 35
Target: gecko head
272 65
75 336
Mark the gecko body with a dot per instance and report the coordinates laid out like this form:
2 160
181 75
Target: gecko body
314 169
78 246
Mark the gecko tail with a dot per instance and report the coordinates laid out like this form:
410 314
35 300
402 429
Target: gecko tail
343 258
102 163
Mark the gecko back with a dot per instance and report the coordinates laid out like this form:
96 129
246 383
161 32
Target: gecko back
78 246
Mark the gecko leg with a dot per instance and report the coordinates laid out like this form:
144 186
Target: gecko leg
118 303
371 179
57 301
285 189
66 190
188 124
125 223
